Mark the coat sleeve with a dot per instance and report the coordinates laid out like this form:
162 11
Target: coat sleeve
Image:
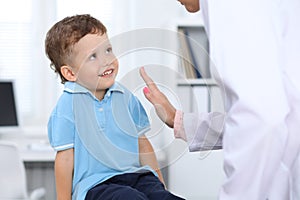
202 132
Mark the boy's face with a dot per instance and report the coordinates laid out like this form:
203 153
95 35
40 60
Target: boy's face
94 63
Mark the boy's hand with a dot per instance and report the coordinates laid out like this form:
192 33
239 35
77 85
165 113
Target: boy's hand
164 109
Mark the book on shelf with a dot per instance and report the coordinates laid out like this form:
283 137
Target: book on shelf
195 65
185 56
194 48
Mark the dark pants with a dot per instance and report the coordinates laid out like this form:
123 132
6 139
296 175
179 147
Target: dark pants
131 186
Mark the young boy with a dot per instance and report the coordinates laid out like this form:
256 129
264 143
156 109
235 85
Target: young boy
97 126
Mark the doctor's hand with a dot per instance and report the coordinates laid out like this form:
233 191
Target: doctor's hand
164 109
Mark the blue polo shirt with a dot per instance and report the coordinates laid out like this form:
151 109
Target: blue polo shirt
104 134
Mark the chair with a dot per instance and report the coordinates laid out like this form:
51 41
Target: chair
13 183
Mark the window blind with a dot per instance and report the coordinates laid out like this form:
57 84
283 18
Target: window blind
15 48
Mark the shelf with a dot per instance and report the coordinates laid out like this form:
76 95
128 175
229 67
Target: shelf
190 22
196 82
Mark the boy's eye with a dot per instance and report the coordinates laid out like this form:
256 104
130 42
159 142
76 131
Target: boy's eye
109 50
93 56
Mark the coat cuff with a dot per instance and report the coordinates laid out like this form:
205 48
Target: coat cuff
178 125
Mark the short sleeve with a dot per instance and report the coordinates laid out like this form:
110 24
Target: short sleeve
139 115
61 132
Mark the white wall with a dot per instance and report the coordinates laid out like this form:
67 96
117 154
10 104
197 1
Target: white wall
134 15
45 12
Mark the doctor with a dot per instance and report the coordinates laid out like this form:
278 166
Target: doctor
255 46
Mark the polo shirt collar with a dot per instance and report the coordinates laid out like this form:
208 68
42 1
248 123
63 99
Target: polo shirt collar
75 88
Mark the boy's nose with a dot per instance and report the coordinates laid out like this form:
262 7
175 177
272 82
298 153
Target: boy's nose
109 60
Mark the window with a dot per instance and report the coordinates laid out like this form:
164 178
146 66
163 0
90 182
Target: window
15 48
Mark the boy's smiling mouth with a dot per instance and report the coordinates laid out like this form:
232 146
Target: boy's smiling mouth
106 73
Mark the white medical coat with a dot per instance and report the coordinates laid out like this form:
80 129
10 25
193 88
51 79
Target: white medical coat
255 48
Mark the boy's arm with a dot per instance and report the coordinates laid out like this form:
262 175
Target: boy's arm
147 156
64 166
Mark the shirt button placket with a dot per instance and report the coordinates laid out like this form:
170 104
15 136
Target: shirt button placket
101 117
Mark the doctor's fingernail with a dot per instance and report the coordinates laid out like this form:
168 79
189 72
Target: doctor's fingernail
146 90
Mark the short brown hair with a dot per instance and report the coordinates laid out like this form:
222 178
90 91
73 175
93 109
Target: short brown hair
64 34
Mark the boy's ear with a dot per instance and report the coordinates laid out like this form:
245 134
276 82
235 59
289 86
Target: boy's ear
68 73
